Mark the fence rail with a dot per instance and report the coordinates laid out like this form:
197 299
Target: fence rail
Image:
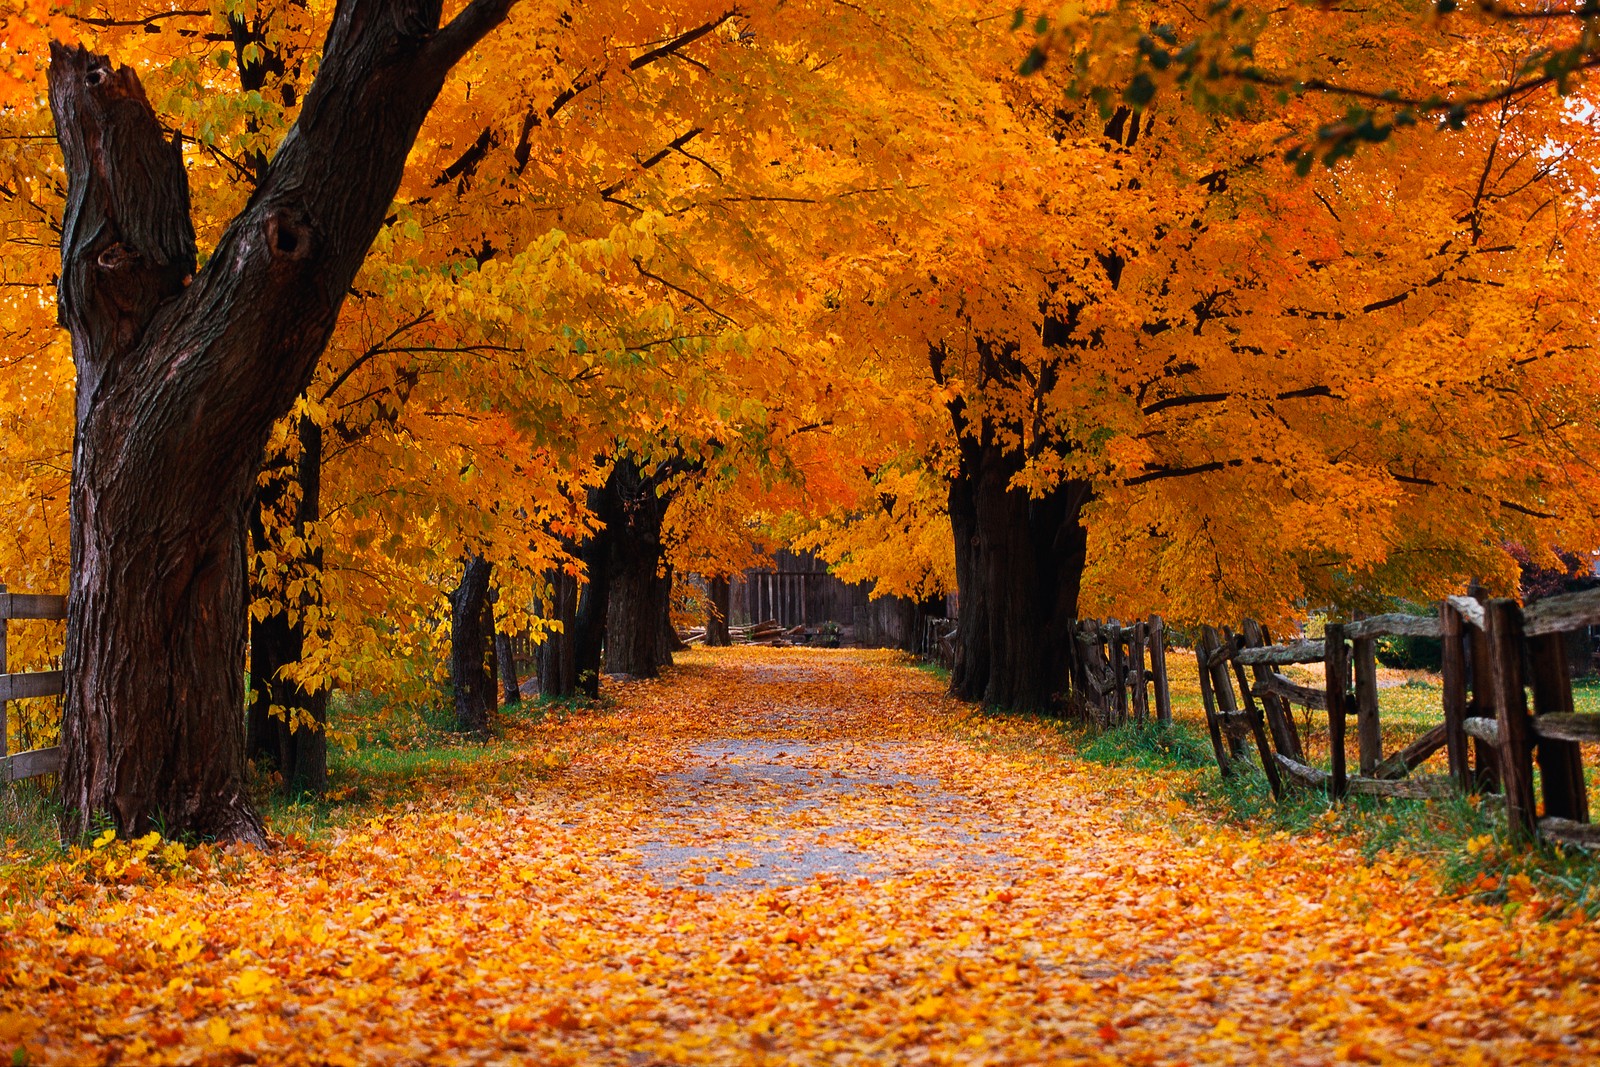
1496 654
31 764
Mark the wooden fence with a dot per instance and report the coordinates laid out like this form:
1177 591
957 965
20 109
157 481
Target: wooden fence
1109 669
1495 653
23 686
1121 671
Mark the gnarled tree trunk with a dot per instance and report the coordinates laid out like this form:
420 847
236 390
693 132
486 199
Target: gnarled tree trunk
1019 567
180 378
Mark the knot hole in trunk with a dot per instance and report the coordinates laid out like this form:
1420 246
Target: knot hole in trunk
288 235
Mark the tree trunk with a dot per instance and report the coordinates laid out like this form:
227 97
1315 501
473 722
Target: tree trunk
1019 566
510 691
719 591
471 685
180 377
555 658
640 592
293 738
489 656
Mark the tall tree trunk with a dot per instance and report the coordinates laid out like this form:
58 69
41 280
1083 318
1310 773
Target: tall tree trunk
555 658
719 592
180 377
471 685
510 691
639 590
489 655
1019 565
286 725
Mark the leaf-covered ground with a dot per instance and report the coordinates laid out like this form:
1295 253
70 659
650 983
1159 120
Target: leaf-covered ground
785 856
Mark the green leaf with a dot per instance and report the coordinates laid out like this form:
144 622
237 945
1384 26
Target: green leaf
1041 25
1032 61
1017 19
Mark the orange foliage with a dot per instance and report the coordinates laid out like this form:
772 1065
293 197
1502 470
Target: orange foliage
626 903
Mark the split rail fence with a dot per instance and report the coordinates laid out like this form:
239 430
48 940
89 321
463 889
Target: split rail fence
1120 670
1495 654
18 606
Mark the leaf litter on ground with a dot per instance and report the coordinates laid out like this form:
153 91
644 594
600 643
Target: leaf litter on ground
786 856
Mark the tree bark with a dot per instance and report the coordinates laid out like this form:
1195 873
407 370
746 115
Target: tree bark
472 686
641 588
1019 567
510 690
720 595
179 382
293 739
555 659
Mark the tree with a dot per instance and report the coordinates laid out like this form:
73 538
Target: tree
181 375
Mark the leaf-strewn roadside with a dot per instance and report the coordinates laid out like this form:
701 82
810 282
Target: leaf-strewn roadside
788 856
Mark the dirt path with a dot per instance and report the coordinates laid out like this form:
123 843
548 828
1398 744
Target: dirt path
795 856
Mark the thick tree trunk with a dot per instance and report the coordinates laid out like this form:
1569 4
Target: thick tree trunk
556 659
641 587
180 377
472 686
720 594
1019 565
286 726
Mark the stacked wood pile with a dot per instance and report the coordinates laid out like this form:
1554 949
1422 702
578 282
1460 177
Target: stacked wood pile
936 642
1492 738
768 632
22 686
1111 674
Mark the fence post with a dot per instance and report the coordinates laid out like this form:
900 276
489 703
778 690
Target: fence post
1560 762
1158 667
1369 733
1119 673
1141 695
1280 717
1486 759
1203 650
1227 703
1269 765
1336 662
1503 623
1455 694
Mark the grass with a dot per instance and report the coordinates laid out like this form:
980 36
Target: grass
384 755
1465 838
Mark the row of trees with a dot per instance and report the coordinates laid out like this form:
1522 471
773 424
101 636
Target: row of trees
390 332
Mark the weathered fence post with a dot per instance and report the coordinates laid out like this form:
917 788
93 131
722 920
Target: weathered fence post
1503 627
1369 734
1336 661
1268 764
1203 650
1141 696
1227 703
1119 673
1560 762
1455 693
1158 667
1280 717
1485 755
